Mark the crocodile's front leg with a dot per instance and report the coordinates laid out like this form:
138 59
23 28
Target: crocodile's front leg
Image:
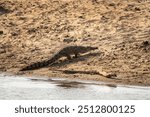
76 55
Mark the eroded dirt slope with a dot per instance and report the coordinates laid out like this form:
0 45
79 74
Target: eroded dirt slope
33 30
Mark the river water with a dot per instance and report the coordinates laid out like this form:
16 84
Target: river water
20 87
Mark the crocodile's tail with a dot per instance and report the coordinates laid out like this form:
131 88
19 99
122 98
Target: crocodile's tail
41 64
35 65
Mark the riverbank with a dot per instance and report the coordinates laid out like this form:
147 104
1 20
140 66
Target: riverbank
32 31
41 88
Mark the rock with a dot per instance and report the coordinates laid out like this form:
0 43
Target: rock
145 43
111 75
1 32
3 10
69 40
14 34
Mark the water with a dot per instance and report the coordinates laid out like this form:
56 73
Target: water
19 87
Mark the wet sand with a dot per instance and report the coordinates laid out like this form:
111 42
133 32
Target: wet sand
32 31
31 88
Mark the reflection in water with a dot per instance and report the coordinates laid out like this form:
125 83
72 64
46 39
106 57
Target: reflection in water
18 87
62 83
71 84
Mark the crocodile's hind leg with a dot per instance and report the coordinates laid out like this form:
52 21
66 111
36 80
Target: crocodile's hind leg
68 57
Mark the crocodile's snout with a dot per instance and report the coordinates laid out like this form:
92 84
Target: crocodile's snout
94 48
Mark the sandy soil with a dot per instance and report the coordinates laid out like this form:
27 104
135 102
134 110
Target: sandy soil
33 30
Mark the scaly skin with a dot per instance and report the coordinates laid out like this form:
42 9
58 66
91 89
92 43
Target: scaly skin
64 52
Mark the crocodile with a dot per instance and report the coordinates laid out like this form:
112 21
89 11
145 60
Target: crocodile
64 52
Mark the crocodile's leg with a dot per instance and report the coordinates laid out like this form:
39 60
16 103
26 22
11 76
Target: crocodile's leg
68 57
76 55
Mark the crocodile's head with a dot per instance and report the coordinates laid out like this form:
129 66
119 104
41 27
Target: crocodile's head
88 48
91 48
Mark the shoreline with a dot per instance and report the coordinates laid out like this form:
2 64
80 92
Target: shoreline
102 79
44 88
33 31
54 74
96 78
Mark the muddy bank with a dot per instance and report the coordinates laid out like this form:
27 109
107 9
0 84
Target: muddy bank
66 89
32 31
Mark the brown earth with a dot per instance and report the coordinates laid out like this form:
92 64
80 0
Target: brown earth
33 30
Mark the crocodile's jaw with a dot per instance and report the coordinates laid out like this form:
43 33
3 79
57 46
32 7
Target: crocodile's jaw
87 49
91 48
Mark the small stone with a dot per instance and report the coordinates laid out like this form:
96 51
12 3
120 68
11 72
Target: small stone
111 75
14 34
137 9
3 10
1 32
81 17
111 4
69 40
145 43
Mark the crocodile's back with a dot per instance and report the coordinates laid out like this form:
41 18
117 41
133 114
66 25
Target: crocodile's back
73 49
64 52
